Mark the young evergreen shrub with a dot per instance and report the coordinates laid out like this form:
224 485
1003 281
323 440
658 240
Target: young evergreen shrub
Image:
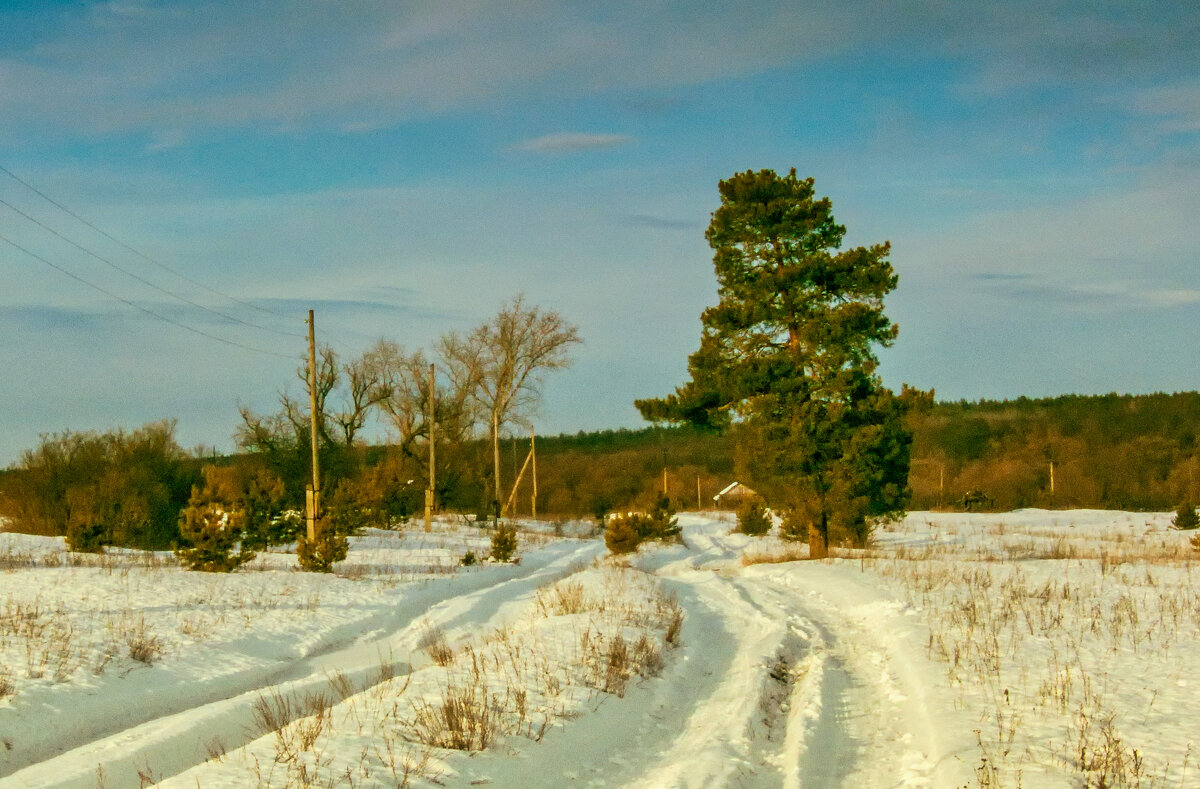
259 494
663 523
794 527
209 533
319 556
623 533
752 518
285 527
85 536
469 559
1185 517
504 543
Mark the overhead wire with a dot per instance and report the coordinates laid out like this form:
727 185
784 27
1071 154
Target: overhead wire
139 278
340 340
131 249
140 307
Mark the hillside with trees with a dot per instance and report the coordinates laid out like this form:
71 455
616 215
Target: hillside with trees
1136 452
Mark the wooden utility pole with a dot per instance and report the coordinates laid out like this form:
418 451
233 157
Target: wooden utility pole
1051 477
430 492
496 466
313 499
697 491
533 454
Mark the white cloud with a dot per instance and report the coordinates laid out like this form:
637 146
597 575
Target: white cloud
573 141
217 64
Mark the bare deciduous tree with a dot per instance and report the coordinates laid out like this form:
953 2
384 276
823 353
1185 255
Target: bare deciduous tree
364 388
501 362
405 380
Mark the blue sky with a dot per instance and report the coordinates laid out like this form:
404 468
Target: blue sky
404 168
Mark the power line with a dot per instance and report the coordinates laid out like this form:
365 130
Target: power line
137 306
141 279
142 255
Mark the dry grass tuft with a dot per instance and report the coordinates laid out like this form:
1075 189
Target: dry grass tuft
141 643
433 643
777 555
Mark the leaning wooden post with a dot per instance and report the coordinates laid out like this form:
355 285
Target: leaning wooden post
313 498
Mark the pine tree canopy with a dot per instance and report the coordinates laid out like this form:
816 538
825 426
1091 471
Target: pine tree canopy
788 354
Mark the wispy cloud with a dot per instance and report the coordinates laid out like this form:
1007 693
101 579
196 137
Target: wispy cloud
573 142
1092 296
1001 276
663 223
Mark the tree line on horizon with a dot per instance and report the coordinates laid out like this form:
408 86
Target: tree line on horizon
1114 451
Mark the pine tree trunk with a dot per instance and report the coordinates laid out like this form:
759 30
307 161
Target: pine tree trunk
818 545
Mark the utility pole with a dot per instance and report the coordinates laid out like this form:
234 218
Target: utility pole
313 499
533 454
697 492
1051 477
430 492
496 467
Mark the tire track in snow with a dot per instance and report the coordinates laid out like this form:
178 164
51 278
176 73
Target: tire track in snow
906 734
856 710
169 731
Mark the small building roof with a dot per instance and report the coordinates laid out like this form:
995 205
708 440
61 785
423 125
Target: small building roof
736 488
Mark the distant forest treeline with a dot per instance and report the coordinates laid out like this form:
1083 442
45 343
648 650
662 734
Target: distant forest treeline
1136 452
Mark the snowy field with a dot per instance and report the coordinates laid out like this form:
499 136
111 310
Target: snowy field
1030 649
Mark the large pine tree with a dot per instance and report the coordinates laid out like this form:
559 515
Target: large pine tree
787 356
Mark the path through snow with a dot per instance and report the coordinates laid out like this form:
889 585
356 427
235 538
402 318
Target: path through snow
800 675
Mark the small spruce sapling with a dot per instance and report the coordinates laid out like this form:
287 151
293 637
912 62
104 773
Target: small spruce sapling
209 531
665 526
85 536
1185 517
752 518
622 533
504 543
328 547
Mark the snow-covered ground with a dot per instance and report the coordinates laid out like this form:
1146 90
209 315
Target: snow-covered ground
1029 649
